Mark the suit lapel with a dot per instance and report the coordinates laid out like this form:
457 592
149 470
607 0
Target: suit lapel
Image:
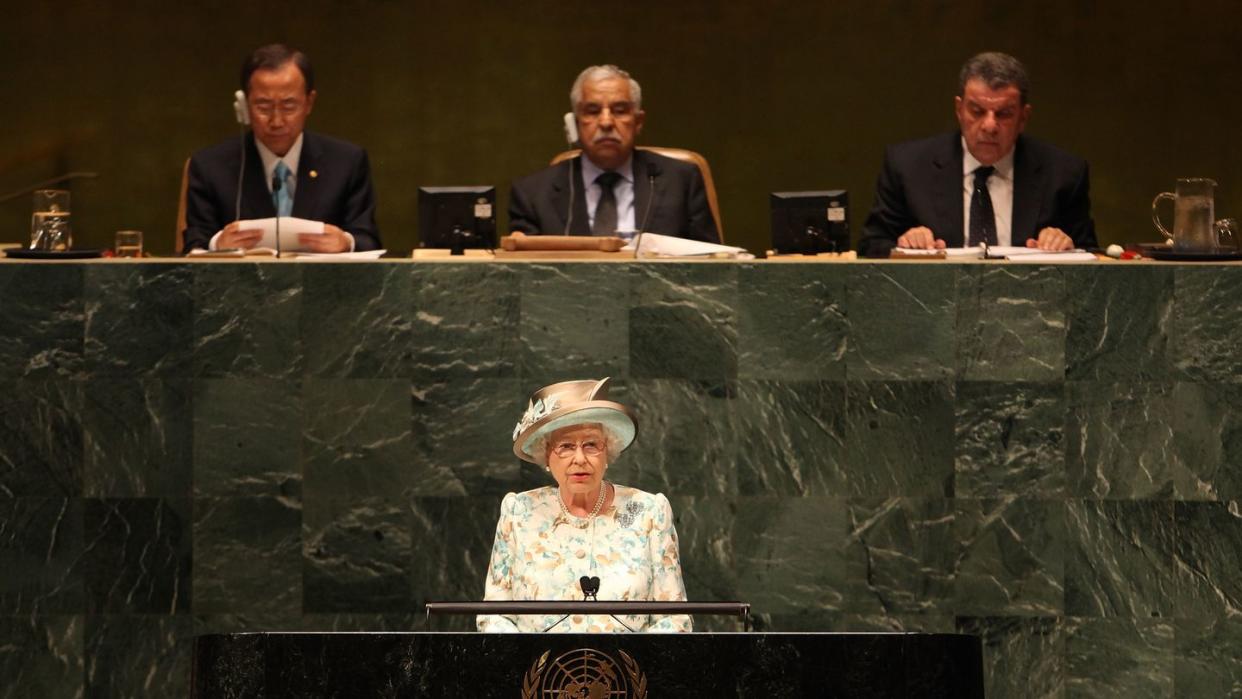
580 225
256 197
640 171
1028 184
948 185
305 196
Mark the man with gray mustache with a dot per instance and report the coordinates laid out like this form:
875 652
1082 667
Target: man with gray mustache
612 188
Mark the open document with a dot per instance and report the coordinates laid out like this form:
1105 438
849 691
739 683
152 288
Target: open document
656 245
290 229
996 252
1025 254
975 253
339 256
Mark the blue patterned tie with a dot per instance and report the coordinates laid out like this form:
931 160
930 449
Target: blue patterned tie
281 197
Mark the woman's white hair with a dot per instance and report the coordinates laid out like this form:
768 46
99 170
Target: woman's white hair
604 72
541 445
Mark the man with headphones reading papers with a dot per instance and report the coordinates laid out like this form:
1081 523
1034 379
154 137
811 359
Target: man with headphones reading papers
278 169
615 187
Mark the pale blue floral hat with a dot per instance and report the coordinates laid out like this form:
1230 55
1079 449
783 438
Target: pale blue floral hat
567 404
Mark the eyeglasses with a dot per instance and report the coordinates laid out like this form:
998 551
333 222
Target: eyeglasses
266 108
567 449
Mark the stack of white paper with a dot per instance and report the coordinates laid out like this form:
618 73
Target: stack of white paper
290 229
1055 257
656 245
958 253
1025 254
363 255
1003 252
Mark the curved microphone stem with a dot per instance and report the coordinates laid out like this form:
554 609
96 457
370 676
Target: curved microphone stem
241 172
558 623
618 620
276 185
569 215
642 230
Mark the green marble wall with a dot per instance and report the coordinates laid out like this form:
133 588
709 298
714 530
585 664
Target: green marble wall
1047 457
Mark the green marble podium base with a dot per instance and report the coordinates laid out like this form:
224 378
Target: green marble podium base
1048 458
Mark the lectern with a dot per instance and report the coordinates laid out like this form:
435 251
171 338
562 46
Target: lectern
546 666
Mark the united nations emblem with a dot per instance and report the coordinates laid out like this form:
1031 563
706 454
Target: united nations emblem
585 673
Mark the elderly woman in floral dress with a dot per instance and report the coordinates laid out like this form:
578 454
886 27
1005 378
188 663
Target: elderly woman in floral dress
584 525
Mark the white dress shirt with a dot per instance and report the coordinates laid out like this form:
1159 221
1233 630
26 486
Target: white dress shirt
623 190
1000 186
291 161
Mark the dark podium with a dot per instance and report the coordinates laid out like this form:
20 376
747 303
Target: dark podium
309 665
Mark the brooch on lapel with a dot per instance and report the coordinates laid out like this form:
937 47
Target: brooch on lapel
632 510
314 174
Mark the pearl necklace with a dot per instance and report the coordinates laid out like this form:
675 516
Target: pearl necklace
584 521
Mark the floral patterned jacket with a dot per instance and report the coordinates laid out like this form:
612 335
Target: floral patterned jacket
540 553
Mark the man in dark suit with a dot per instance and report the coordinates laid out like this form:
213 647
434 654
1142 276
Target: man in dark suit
987 183
612 187
320 178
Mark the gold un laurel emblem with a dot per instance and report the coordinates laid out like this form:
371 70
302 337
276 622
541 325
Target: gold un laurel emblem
585 673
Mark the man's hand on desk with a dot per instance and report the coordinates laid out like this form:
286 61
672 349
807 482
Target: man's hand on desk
920 238
333 239
1051 239
231 237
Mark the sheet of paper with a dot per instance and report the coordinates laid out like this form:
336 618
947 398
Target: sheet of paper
654 244
201 252
1011 251
290 229
999 251
364 255
975 252
1054 257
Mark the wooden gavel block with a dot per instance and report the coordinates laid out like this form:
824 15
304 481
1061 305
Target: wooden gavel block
521 241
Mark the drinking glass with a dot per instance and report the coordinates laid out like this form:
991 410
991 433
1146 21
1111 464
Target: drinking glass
49 224
128 244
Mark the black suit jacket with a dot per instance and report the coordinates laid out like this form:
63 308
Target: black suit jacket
669 196
921 185
340 193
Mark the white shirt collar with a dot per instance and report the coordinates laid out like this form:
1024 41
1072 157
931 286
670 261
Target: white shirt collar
1004 166
590 170
270 159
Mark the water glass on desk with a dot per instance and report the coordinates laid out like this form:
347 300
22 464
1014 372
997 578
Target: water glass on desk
128 244
49 224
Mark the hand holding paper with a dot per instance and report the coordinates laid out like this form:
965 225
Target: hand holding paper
291 232
234 237
332 240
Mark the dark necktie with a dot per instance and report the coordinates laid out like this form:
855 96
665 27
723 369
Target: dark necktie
982 217
606 210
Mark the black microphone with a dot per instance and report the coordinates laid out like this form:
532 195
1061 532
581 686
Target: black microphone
653 171
243 120
569 215
277 183
590 587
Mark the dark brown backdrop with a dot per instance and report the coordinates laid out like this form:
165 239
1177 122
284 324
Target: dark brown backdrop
778 95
